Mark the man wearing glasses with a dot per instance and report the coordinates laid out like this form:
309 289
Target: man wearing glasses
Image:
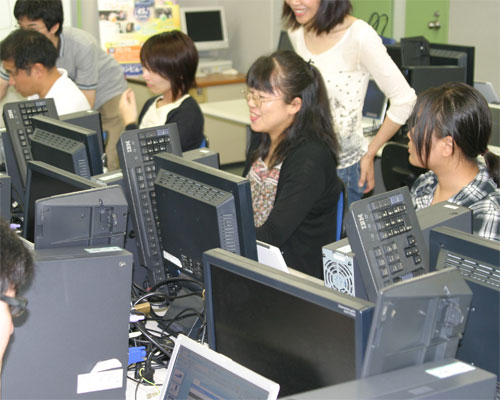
16 269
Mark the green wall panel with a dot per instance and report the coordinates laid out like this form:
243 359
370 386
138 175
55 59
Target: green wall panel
418 15
363 9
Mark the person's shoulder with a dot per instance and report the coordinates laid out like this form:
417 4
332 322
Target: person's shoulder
314 150
77 35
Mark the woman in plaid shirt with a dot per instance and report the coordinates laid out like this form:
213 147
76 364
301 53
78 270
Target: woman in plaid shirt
449 128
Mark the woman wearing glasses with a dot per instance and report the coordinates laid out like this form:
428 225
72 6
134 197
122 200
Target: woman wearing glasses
169 61
16 268
348 52
449 128
292 159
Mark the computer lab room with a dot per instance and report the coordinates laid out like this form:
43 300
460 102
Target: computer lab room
249 199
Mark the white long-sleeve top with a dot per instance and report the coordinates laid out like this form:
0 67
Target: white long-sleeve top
346 69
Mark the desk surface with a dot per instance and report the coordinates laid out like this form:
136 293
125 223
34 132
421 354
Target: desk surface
202 81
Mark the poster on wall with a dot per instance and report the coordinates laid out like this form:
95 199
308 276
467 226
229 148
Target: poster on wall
125 25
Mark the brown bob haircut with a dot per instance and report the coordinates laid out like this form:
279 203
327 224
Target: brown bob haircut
172 55
330 14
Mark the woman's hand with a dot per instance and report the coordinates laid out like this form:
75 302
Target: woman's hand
367 172
128 107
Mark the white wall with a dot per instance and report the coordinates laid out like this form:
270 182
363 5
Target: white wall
477 23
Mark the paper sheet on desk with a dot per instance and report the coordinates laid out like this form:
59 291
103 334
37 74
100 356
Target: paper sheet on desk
271 256
105 375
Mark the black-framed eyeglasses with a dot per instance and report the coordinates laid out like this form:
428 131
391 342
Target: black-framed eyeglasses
17 305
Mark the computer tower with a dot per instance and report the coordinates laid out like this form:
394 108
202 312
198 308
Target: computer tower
77 321
5 191
341 271
204 156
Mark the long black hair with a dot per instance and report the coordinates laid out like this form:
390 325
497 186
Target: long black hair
458 110
287 73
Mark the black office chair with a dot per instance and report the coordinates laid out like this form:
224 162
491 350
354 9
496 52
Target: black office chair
396 169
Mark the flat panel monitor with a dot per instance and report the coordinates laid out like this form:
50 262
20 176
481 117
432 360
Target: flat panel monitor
417 321
452 54
289 329
94 217
44 180
477 259
206 26
194 217
61 152
89 138
238 186
90 119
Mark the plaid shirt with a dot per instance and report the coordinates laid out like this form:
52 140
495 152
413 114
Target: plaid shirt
481 195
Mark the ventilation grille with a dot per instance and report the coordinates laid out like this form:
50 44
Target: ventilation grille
339 276
57 141
485 273
229 233
191 188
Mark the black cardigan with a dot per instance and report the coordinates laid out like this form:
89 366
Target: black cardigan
304 215
189 120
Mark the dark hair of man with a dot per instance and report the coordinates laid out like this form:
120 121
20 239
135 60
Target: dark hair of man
287 74
458 110
173 55
16 263
49 11
26 47
330 13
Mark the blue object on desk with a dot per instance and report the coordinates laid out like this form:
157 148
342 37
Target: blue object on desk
136 354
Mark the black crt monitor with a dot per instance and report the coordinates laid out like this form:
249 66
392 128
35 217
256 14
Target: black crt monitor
478 261
89 138
44 180
417 321
94 217
206 26
452 54
289 329
200 208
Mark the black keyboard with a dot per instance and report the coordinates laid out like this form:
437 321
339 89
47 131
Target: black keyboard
385 235
135 151
17 118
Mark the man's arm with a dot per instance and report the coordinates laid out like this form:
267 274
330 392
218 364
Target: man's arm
90 95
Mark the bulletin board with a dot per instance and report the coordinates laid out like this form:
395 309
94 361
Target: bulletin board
125 25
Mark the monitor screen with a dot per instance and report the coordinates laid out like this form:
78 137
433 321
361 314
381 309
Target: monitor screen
94 217
237 186
89 138
375 102
44 180
206 26
417 321
291 330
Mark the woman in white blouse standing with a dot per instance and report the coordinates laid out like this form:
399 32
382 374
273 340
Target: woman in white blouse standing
348 52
